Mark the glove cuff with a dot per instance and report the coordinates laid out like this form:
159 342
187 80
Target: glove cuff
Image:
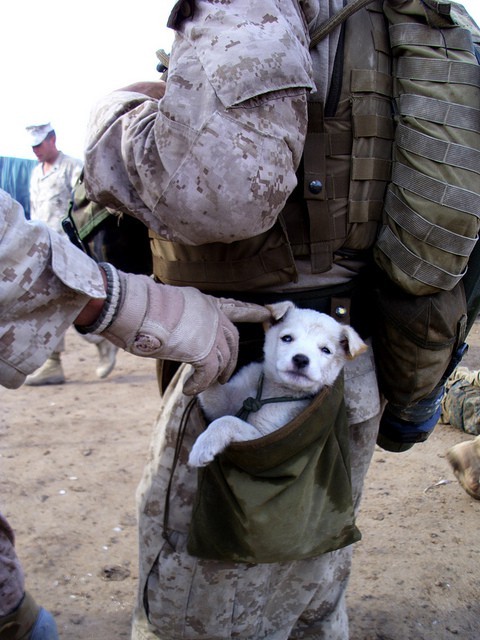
112 302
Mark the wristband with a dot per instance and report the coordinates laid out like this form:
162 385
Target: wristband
111 304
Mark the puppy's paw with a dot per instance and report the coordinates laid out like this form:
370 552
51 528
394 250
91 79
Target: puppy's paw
203 451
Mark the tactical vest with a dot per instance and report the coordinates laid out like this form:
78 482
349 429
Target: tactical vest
366 147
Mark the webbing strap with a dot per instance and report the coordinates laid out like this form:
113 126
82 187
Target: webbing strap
320 236
314 160
424 230
371 126
455 155
360 211
371 169
212 272
434 70
405 34
371 81
436 191
336 20
439 111
414 266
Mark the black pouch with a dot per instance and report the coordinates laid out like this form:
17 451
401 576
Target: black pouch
285 496
415 338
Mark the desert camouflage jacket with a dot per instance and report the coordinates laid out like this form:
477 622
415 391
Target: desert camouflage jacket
50 193
44 284
234 114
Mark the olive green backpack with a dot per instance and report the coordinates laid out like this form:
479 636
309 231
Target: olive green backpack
432 204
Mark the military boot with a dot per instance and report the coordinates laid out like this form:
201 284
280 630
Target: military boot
28 622
107 353
51 372
465 460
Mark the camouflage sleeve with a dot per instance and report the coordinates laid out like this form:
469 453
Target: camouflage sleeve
44 284
215 158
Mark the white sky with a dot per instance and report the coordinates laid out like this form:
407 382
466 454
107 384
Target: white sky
59 57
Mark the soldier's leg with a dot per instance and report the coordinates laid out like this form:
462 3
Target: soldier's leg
20 617
182 597
325 618
51 372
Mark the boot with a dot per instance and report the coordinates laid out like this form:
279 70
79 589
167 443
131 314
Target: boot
28 622
107 353
465 461
51 372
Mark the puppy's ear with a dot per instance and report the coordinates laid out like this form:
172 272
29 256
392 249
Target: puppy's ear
278 311
351 342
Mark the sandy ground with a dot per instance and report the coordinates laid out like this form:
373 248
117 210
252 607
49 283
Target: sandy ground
72 455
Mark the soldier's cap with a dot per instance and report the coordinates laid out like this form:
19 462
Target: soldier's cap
38 132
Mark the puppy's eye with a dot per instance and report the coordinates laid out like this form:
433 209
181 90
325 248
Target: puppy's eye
325 350
287 338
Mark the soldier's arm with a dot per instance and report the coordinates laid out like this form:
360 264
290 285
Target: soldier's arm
214 159
46 284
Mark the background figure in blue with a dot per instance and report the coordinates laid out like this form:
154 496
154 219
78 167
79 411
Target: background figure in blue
15 179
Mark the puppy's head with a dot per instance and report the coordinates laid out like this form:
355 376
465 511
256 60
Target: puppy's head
305 350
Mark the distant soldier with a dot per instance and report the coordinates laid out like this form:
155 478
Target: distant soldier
51 185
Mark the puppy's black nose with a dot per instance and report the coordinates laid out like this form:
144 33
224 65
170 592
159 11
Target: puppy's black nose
300 361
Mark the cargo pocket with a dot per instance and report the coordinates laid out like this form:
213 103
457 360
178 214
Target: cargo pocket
285 496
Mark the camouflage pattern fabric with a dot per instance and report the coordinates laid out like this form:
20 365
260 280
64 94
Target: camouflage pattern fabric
44 284
191 598
461 402
240 111
50 193
12 580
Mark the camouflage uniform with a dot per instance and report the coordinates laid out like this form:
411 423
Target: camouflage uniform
44 284
50 192
12 580
461 400
234 113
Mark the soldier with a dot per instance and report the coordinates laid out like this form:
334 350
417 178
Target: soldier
51 185
46 284
208 167
210 162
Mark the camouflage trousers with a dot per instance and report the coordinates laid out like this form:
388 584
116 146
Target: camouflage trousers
12 581
183 597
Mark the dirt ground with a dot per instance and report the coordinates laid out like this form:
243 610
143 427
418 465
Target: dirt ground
71 457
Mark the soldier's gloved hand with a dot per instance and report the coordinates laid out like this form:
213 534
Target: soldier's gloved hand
174 323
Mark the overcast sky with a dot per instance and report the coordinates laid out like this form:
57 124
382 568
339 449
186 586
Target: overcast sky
59 57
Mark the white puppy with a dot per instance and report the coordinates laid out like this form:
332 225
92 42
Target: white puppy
304 351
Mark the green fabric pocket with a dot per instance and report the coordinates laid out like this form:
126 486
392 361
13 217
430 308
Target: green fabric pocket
285 496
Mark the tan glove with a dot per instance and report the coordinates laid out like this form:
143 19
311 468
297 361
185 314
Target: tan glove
174 323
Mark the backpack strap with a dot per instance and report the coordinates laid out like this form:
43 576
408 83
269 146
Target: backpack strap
336 20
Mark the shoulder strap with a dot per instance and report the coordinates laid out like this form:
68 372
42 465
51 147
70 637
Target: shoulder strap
334 21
